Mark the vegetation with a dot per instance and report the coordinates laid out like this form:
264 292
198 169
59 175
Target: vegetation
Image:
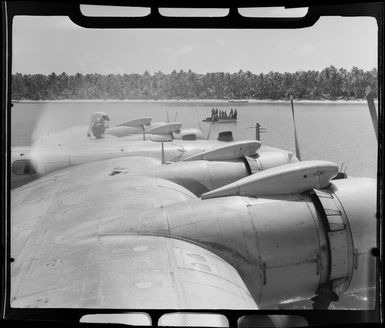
330 83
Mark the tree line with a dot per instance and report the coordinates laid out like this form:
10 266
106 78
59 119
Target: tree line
330 83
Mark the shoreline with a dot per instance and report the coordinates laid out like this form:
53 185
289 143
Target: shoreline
239 102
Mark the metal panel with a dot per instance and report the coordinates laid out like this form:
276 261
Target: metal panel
335 222
339 254
340 240
293 279
128 272
360 208
289 246
333 213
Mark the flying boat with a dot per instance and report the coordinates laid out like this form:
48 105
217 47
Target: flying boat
116 223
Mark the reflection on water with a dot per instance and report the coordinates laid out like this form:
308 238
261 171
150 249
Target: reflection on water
341 133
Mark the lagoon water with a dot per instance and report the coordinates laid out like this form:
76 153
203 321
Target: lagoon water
338 132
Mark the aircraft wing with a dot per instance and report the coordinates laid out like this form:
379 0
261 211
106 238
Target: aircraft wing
70 136
64 257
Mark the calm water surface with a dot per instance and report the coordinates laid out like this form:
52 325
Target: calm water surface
341 133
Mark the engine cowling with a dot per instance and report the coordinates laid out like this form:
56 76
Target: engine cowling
286 248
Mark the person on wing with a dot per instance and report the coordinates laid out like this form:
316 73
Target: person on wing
98 124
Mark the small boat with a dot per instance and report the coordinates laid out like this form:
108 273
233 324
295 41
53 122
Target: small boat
209 119
240 101
221 116
220 120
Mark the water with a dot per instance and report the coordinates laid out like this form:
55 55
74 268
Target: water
341 133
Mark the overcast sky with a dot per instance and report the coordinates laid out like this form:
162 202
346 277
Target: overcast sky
55 44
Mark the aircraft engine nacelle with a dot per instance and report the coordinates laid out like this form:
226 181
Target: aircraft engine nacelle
286 248
188 134
23 168
201 176
270 157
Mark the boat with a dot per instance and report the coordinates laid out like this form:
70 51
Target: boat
240 101
221 116
220 120
209 119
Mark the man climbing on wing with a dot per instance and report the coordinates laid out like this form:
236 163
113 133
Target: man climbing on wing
98 124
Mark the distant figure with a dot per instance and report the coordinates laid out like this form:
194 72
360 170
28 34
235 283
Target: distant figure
212 113
98 124
235 113
231 113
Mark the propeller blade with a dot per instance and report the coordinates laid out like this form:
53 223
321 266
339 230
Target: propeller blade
372 109
163 157
297 152
211 125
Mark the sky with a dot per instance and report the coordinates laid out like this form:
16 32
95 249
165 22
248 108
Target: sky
55 44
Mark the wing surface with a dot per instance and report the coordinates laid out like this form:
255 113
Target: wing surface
70 136
130 272
64 258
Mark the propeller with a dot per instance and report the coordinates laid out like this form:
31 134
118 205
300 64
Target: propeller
372 109
297 152
144 132
168 118
339 175
168 121
211 125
